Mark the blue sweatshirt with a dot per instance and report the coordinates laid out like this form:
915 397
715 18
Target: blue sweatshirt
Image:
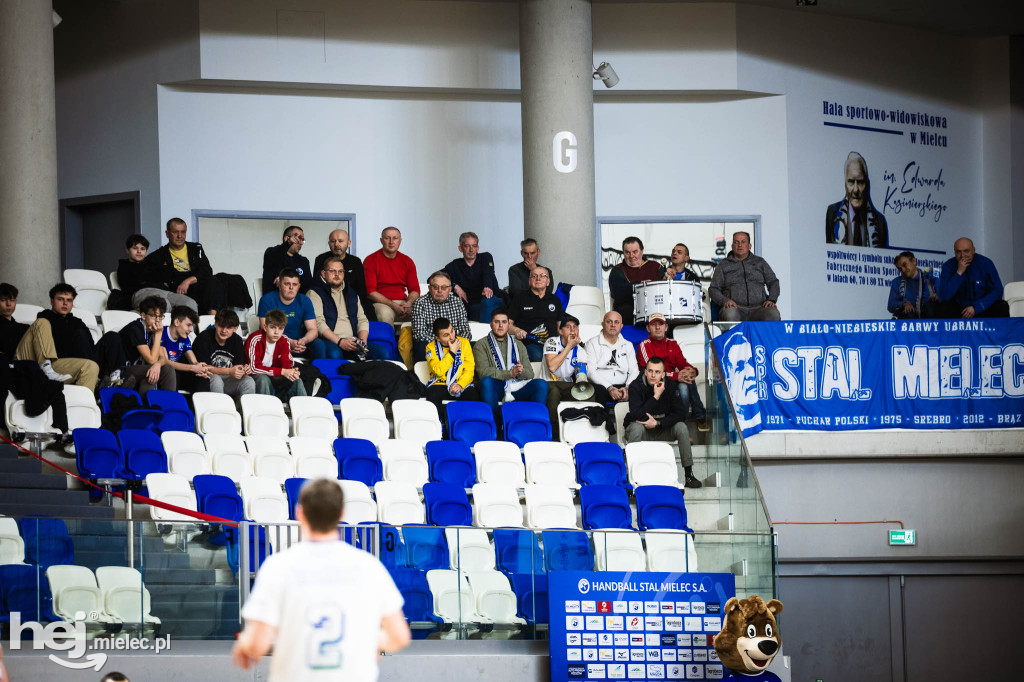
903 289
979 286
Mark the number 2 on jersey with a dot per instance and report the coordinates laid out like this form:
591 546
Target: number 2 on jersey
327 629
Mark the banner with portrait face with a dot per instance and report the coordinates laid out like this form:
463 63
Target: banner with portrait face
853 375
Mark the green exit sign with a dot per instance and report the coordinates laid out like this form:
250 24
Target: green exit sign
902 537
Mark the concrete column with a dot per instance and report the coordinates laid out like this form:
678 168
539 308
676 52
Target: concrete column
556 63
29 235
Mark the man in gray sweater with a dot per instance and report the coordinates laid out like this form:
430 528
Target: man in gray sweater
744 287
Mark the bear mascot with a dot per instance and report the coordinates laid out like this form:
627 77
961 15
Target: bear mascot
749 639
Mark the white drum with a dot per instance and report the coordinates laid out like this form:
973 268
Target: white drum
675 299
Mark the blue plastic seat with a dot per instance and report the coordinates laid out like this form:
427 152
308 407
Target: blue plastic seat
341 386
292 486
143 453
47 542
24 589
635 335
216 495
470 421
259 546
660 507
419 601
525 422
141 418
358 460
383 334
176 413
601 464
605 506
393 552
567 550
98 454
451 462
518 551
427 547
531 596
447 505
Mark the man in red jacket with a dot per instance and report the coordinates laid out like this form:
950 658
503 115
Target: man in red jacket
676 367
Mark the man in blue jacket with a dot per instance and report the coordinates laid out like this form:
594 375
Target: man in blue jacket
969 285
913 293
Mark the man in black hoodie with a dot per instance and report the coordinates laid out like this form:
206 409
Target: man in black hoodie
286 255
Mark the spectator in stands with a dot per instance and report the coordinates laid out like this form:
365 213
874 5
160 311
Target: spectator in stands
340 319
142 340
300 331
136 279
679 267
286 255
536 314
656 413
183 268
503 369
178 348
912 293
338 243
519 274
854 220
612 359
744 285
564 357
473 278
451 364
969 285
12 332
223 353
270 358
391 281
631 270
439 303
677 369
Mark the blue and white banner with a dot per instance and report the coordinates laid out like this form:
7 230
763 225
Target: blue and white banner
916 374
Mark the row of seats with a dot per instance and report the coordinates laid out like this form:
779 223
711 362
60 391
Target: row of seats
35 540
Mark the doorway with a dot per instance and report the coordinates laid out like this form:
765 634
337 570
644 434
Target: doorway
93 229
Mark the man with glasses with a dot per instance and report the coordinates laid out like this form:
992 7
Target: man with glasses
440 302
286 255
519 274
142 341
340 319
338 243
536 314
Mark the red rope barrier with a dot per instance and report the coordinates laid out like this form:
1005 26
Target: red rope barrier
141 498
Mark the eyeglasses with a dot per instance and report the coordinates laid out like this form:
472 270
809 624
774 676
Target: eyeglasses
440 287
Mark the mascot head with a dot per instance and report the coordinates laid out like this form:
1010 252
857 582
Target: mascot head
750 636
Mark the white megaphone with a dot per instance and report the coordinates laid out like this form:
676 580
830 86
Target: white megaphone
582 388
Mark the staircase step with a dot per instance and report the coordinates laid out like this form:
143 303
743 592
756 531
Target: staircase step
20 465
176 576
63 511
8 451
62 497
37 481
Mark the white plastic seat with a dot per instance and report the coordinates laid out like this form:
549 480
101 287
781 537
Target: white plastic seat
478 330
313 457
313 416
671 551
550 464
271 458
579 430
26 313
1013 294
263 415
186 454
403 460
549 506
540 371
216 413
453 596
493 596
416 420
359 504
589 331
12 545
257 290
619 552
92 289
469 549
114 283
172 489
75 591
125 597
398 503
620 412
364 418
499 461
651 463
422 371
116 320
229 456
90 322
496 505
83 412
586 304
263 500
252 324
18 421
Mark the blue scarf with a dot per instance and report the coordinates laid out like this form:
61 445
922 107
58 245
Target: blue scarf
453 371
507 363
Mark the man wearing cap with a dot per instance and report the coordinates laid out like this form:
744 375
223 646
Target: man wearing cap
564 358
677 368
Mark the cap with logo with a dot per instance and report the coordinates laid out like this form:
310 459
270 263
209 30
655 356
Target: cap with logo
656 316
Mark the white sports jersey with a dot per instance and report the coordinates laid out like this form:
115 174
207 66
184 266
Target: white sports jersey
326 600
554 346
